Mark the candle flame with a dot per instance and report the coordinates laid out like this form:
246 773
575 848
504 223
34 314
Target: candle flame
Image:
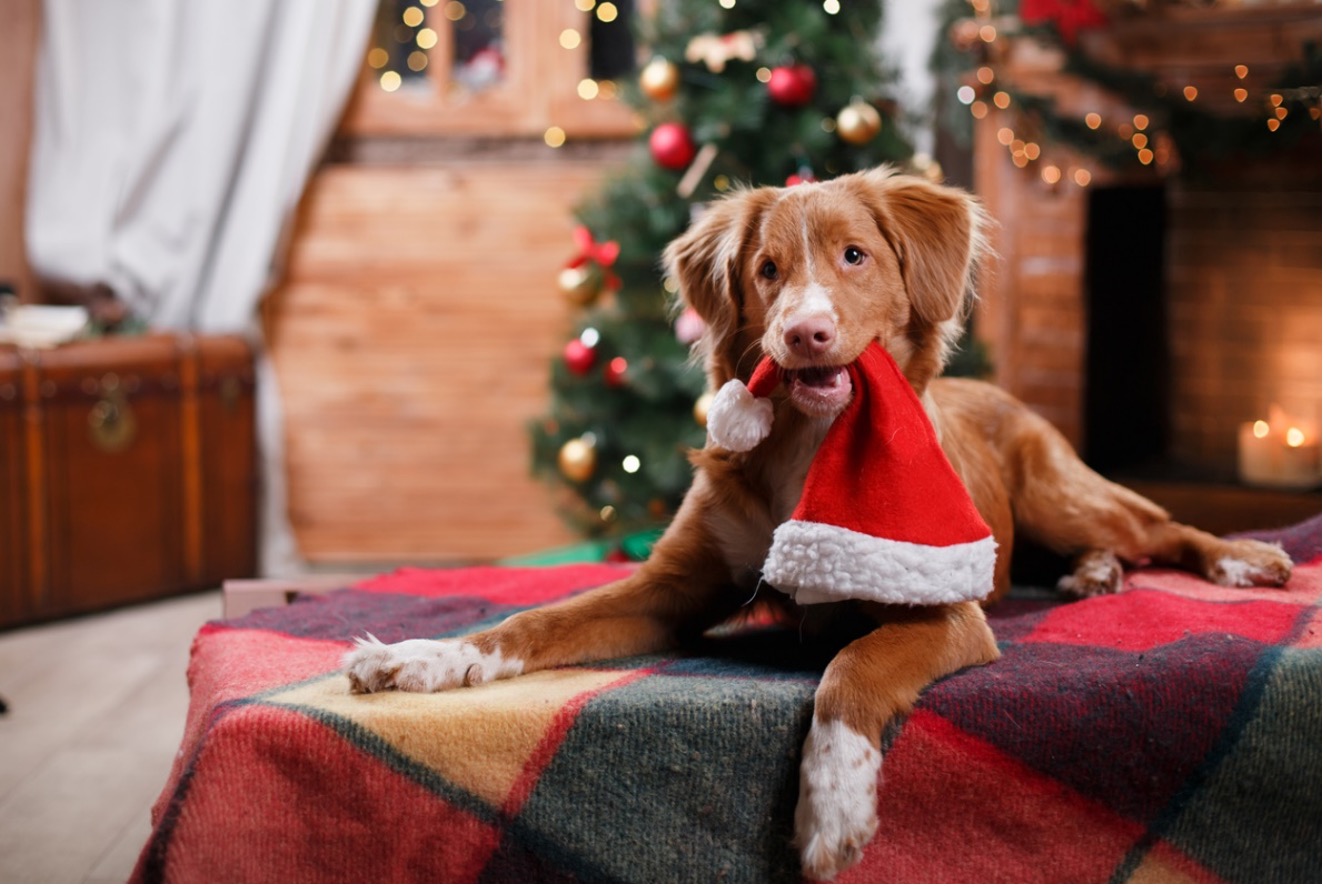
1295 437
1261 429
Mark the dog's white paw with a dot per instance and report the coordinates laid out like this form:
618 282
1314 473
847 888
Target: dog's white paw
1251 563
1097 573
836 812
422 665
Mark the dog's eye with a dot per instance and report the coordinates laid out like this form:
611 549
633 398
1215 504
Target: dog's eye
769 270
854 255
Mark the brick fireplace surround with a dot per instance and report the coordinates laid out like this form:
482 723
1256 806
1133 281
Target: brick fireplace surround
1240 276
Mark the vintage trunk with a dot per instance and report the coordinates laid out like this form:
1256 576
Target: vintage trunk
129 472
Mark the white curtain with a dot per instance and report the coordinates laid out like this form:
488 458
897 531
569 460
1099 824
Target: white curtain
172 141
911 28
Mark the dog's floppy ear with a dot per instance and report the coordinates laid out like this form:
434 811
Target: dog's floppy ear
706 263
938 234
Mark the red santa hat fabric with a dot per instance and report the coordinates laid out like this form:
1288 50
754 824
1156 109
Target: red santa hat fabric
883 516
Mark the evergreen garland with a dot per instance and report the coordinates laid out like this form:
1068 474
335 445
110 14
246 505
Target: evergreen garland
1202 140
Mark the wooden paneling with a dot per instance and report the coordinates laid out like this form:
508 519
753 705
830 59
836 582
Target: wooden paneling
411 340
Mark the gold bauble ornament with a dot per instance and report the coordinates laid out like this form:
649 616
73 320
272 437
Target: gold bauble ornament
858 122
924 165
701 411
580 284
659 79
576 459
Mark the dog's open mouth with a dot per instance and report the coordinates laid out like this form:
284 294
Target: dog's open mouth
819 391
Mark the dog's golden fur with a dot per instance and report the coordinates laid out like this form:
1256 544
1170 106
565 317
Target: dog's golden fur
811 275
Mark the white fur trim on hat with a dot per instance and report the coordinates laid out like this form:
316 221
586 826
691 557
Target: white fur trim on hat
814 563
738 421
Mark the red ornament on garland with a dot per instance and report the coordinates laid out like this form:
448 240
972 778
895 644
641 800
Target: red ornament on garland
579 357
615 373
1069 16
792 85
671 146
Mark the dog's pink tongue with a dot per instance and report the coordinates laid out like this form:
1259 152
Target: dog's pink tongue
822 377
821 391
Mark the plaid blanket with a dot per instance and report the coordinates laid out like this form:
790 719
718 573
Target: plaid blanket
1168 733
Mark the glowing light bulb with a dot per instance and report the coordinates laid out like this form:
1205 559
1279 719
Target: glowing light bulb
1295 437
1261 429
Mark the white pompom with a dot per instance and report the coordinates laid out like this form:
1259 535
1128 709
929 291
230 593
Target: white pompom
738 421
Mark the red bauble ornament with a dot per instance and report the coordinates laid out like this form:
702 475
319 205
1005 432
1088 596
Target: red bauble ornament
792 85
804 177
671 146
579 358
615 372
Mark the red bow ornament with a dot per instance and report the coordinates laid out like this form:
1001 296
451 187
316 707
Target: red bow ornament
602 254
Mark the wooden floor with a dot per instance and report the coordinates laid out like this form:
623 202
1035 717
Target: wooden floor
96 713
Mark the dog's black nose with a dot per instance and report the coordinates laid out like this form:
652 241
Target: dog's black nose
810 337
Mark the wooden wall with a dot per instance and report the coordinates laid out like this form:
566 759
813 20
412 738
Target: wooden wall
411 339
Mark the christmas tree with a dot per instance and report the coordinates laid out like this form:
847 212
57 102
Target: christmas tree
733 93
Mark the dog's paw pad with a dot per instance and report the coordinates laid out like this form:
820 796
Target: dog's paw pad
836 812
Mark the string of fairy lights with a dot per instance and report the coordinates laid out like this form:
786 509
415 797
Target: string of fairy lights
1023 132
414 32
403 49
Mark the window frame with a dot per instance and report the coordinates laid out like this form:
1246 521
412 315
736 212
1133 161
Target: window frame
537 91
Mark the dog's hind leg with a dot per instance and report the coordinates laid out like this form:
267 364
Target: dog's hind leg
869 683
1064 505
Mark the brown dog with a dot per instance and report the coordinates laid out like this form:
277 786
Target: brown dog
811 275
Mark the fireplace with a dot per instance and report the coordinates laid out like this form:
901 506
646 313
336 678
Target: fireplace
1154 319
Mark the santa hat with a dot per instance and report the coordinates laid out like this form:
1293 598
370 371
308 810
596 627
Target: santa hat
883 516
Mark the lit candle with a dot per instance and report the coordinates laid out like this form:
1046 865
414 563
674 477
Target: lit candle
1282 453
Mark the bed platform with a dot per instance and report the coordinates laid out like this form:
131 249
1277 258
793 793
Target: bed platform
1169 733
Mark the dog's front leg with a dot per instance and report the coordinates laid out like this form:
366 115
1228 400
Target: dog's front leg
870 682
679 591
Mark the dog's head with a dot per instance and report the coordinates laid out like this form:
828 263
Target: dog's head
812 274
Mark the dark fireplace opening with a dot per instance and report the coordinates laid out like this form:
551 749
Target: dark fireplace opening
1126 397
